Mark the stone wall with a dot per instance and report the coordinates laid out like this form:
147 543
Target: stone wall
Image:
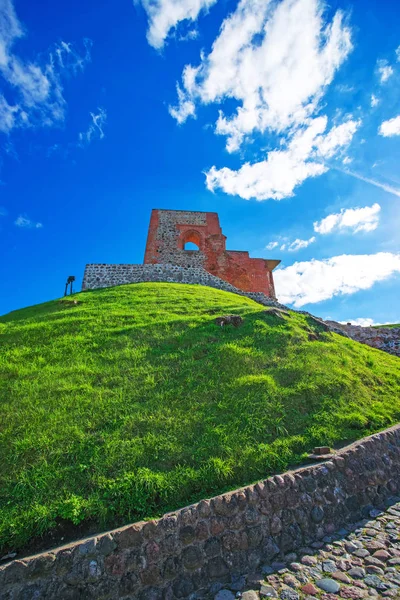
382 338
163 243
184 553
169 230
103 275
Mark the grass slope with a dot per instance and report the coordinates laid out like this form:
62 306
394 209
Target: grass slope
134 402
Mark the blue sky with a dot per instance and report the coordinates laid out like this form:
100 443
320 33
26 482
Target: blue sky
282 116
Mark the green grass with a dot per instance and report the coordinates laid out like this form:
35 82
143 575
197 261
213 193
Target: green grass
391 325
133 402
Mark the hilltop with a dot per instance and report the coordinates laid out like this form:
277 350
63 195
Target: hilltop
119 404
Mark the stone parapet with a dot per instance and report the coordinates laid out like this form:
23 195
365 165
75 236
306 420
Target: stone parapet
103 275
182 554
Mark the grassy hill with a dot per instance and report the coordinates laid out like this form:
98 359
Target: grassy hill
133 402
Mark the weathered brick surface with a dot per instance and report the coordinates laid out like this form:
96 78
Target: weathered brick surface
169 231
165 256
186 552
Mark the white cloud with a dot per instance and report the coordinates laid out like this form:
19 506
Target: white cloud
356 219
69 58
95 129
363 322
274 59
317 280
337 138
269 246
300 244
283 170
374 101
278 175
347 160
398 54
25 222
390 127
294 246
360 321
35 87
186 108
8 115
164 15
385 70
192 34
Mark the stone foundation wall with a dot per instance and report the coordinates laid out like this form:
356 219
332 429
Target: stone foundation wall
182 554
382 338
103 275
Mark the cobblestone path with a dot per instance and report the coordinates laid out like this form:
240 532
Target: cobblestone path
360 561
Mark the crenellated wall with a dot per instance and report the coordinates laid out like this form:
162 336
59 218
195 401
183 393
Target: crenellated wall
188 550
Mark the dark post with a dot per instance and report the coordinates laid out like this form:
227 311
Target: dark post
69 283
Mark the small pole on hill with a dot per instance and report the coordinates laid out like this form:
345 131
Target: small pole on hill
69 283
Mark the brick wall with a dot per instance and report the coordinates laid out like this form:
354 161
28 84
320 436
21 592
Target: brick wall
170 230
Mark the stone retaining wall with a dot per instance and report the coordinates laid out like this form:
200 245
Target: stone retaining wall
184 553
382 338
104 275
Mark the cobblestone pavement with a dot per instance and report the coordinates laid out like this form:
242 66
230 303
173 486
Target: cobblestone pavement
360 561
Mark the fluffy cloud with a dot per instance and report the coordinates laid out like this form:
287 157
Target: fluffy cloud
26 223
356 219
275 59
363 322
338 137
95 129
360 321
35 87
390 127
282 171
165 15
300 244
316 280
385 71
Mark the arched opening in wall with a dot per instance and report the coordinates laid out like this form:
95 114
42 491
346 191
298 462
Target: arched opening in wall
190 246
191 240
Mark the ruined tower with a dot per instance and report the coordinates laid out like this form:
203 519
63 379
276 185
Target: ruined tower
171 230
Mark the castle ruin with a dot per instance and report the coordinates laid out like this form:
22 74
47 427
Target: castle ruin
167 258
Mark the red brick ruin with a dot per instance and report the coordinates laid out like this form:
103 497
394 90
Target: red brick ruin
171 230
